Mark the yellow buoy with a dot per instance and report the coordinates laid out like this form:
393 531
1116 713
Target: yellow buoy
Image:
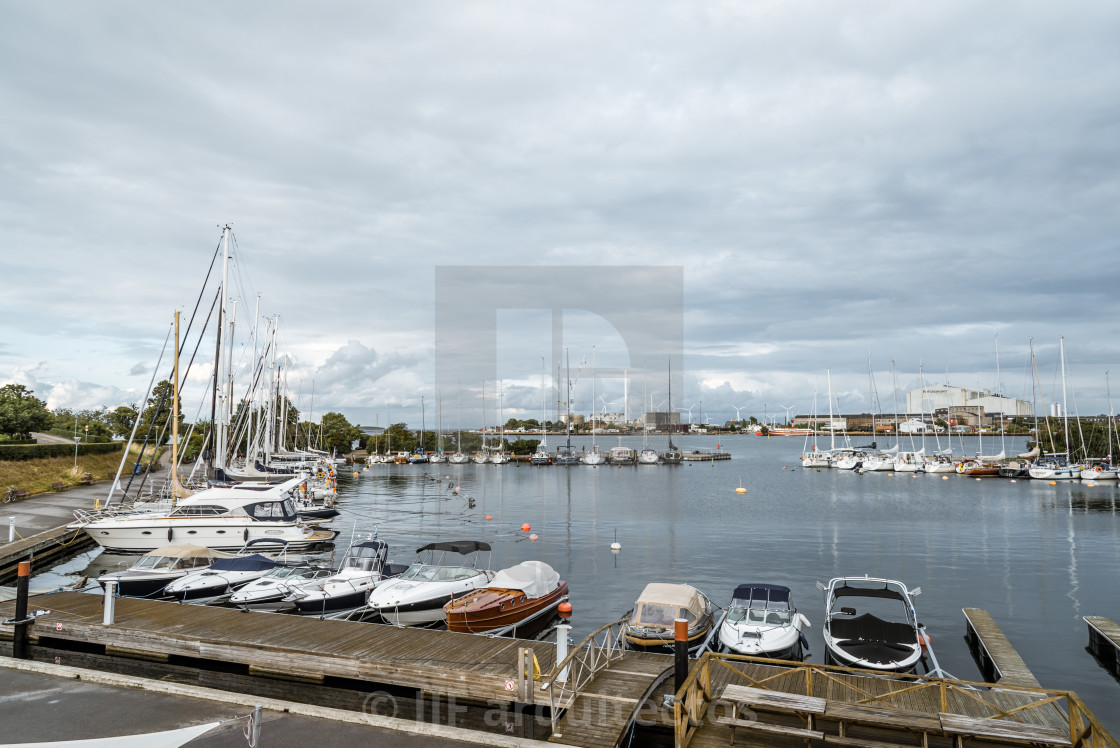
1053 483
740 489
944 477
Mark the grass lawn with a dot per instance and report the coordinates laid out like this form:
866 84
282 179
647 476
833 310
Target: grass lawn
38 476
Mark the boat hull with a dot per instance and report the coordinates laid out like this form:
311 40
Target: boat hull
489 609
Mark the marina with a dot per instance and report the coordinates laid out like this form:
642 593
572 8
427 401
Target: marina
671 524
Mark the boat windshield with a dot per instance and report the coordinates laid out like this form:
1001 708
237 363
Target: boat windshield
155 562
759 616
655 614
428 573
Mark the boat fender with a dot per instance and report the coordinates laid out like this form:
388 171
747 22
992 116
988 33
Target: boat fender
170 532
245 535
925 640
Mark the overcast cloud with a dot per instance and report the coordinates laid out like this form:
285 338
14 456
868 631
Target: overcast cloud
837 180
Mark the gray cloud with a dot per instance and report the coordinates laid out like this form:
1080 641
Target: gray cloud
900 180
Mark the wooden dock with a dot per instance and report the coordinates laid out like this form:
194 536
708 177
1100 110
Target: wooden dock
46 548
1104 642
600 715
996 658
295 648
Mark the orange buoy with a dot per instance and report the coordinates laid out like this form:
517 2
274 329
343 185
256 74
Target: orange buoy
525 527
533 537
355 473
564 609
944 477
489 516
1053 483
890 475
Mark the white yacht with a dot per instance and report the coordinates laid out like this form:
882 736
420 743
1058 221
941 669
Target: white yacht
268 592
153 571
762 622
418 595
222 518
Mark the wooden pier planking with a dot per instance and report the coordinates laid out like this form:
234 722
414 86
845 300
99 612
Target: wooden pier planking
1104 642
601 712
46 548
998 660
460 665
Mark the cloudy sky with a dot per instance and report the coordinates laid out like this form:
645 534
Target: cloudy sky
901 180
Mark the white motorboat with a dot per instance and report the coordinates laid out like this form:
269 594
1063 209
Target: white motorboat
648 457
222 518
1055 467
418 595
363 568
153 571
762 622
871 623
224 576
268 592
622 456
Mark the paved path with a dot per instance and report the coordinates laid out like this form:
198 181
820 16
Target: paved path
46 511
38 705
41 438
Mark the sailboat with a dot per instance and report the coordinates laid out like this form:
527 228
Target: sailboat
672 455
594 457
541 456
1056 465
647 456
877 461
983 466
439 456
1097 470
500 456
458 458
816 458
419 457
566 456
481 457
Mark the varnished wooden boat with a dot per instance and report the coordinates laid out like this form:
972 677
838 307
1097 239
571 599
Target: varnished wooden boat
514 595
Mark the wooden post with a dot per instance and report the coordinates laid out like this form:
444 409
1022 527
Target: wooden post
680 653
525 675
19 637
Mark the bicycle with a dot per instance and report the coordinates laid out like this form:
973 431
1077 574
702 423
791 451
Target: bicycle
10 495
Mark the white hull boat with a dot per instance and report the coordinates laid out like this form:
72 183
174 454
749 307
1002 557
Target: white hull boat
364 567
762 622
223 518
417 596
871 623
594 458
648 457
458 458
268 592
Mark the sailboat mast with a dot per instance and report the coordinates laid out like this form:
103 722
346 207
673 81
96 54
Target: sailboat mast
1111 422
594 399
1065 410
175 416
568 398
831 419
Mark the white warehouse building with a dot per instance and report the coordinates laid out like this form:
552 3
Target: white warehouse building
941 396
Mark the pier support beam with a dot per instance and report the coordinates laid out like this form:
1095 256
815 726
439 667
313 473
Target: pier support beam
680 653
19 636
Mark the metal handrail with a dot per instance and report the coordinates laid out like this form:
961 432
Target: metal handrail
586 660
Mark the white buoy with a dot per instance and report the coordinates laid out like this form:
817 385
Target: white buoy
616 546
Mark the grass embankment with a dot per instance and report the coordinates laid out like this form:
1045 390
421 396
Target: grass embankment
39 476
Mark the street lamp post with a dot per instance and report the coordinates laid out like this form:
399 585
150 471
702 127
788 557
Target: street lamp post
75 445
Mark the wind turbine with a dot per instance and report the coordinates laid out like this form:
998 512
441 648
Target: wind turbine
689 409
737 410
787 409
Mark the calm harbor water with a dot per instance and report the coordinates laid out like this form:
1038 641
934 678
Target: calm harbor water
1038 557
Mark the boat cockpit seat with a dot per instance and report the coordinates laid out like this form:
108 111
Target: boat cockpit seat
773 619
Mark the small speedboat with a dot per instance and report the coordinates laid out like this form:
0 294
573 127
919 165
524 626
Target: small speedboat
224 576
871 623
268 592
153 571
363 568
651 626
762 622
418 595
529 590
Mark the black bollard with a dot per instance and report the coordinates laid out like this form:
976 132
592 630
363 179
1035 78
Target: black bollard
19 637
680 652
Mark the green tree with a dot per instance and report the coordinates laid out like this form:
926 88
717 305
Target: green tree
21 412
524 446
338 434
161 414
121 419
